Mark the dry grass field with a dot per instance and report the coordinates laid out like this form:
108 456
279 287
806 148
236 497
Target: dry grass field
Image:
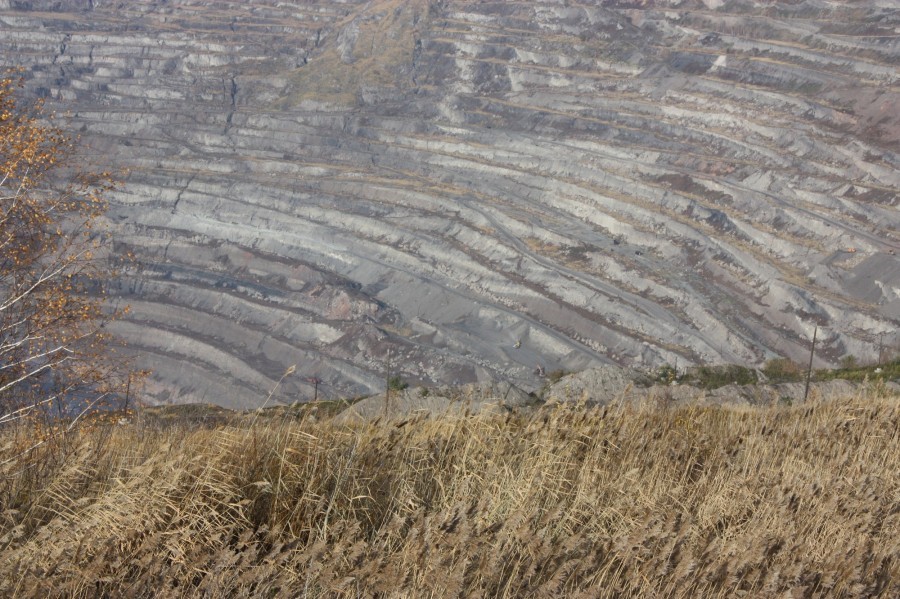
559 501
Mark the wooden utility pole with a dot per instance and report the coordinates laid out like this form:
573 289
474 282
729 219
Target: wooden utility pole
127 393
812 353
315 381
387 387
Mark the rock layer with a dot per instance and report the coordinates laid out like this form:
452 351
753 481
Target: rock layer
459 191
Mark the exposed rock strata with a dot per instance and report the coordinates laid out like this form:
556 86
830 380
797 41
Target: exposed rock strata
484 188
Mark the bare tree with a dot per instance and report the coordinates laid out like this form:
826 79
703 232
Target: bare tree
53 265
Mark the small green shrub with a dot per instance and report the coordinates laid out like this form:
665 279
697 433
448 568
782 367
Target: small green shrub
849 362
713 377
782 370
666 374
396 383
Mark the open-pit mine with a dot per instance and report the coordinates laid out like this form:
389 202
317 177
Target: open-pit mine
457 191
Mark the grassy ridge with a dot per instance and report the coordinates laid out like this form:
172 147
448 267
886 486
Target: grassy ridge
562 501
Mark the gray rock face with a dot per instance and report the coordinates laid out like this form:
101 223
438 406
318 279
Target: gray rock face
481 188
601 385
472 398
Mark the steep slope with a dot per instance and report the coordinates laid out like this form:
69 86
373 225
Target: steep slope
471 190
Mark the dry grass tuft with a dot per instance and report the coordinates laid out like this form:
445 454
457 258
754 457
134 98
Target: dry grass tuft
565 501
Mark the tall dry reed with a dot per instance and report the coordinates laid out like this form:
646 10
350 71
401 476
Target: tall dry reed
690 501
